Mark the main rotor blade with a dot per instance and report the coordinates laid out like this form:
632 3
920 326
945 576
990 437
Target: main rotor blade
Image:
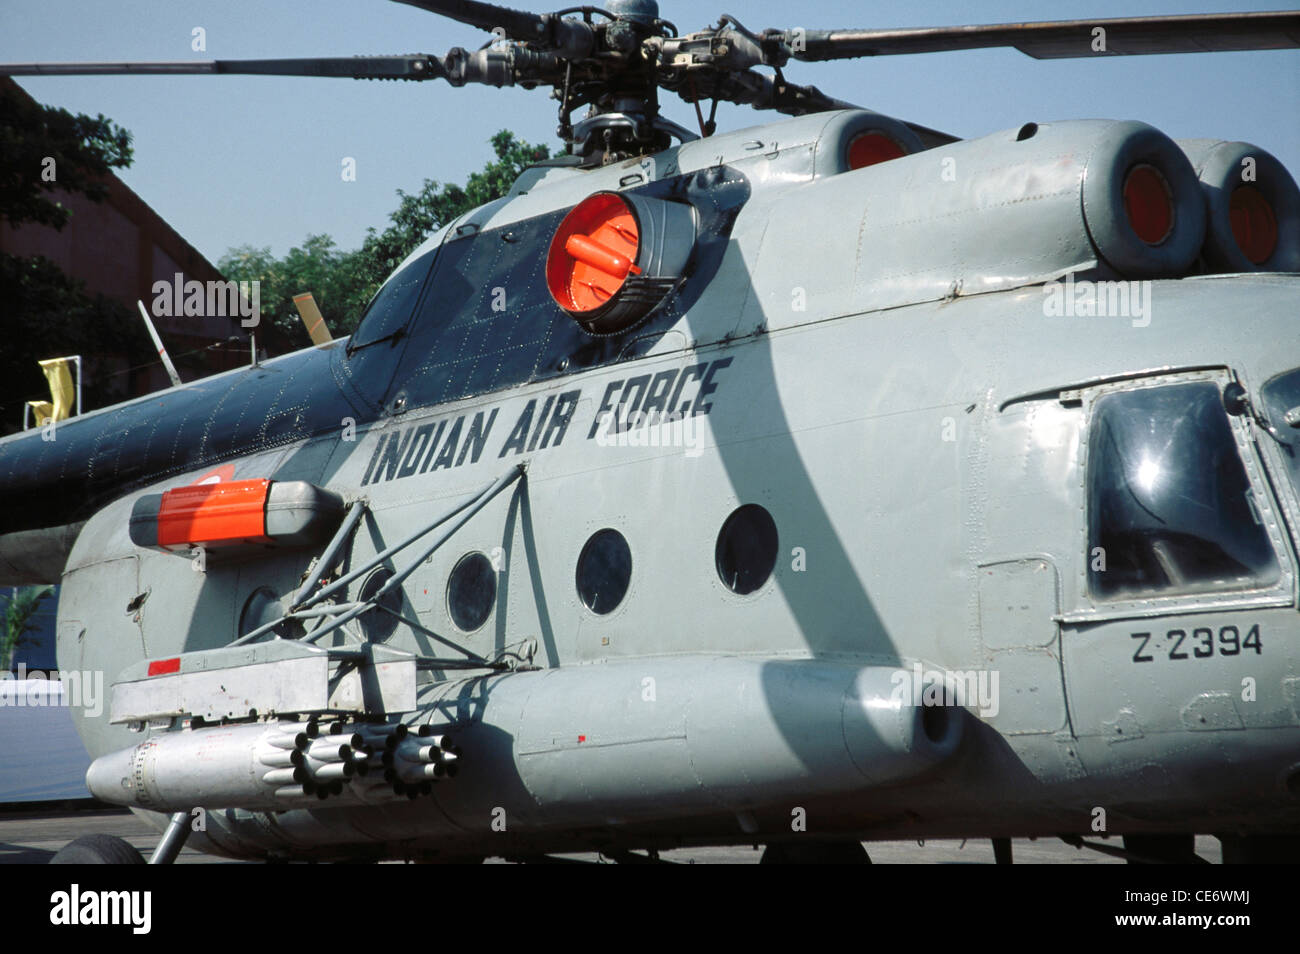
564 36
411 67
1127 36
517 24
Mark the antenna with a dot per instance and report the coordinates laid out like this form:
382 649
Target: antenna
312 319
157 343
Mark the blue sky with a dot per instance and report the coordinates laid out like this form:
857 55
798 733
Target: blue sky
232 160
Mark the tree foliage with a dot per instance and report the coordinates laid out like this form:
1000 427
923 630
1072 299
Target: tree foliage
20 609
317 266
419 215
45 149
44 313
47 314
344 282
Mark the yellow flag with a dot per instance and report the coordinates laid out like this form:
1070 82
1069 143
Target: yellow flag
42 410
58 372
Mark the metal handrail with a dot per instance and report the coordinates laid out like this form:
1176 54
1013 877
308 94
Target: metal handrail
305 608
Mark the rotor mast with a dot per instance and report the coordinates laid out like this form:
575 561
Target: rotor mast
614 59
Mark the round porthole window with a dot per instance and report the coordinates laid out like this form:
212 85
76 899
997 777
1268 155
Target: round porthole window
379 623
263 607
471 591
604 571
746 551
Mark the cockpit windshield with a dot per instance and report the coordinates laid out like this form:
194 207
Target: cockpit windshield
1282 411
389 311
1170 507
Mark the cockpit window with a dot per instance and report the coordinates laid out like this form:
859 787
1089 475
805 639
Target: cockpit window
390 310
1170 508
1282 410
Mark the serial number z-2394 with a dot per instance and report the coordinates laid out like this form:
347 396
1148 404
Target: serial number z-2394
1202 642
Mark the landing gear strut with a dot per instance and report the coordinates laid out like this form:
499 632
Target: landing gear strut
1002 851
172 841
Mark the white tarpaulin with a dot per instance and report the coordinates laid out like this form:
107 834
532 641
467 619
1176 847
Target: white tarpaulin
44 758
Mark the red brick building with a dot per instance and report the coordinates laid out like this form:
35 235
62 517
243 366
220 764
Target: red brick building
120 247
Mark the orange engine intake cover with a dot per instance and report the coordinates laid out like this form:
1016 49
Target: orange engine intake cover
592 253
225 513
871 148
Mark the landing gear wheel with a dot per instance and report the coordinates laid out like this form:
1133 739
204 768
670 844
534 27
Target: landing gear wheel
97 850
1163 849
816 853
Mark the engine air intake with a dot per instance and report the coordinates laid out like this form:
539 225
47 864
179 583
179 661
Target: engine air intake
1253 206
1148 203
616 256
871 148
1141 202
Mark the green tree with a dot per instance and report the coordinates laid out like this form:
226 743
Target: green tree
317 266
45 149
344 282
20 609
419 215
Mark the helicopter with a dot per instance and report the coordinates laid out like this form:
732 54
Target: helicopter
828 481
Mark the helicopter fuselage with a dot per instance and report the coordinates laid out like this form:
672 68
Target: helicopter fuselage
938 388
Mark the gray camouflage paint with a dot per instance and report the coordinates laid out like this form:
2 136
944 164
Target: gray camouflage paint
924 318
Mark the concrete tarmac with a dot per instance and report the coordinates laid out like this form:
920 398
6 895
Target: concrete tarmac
33 836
